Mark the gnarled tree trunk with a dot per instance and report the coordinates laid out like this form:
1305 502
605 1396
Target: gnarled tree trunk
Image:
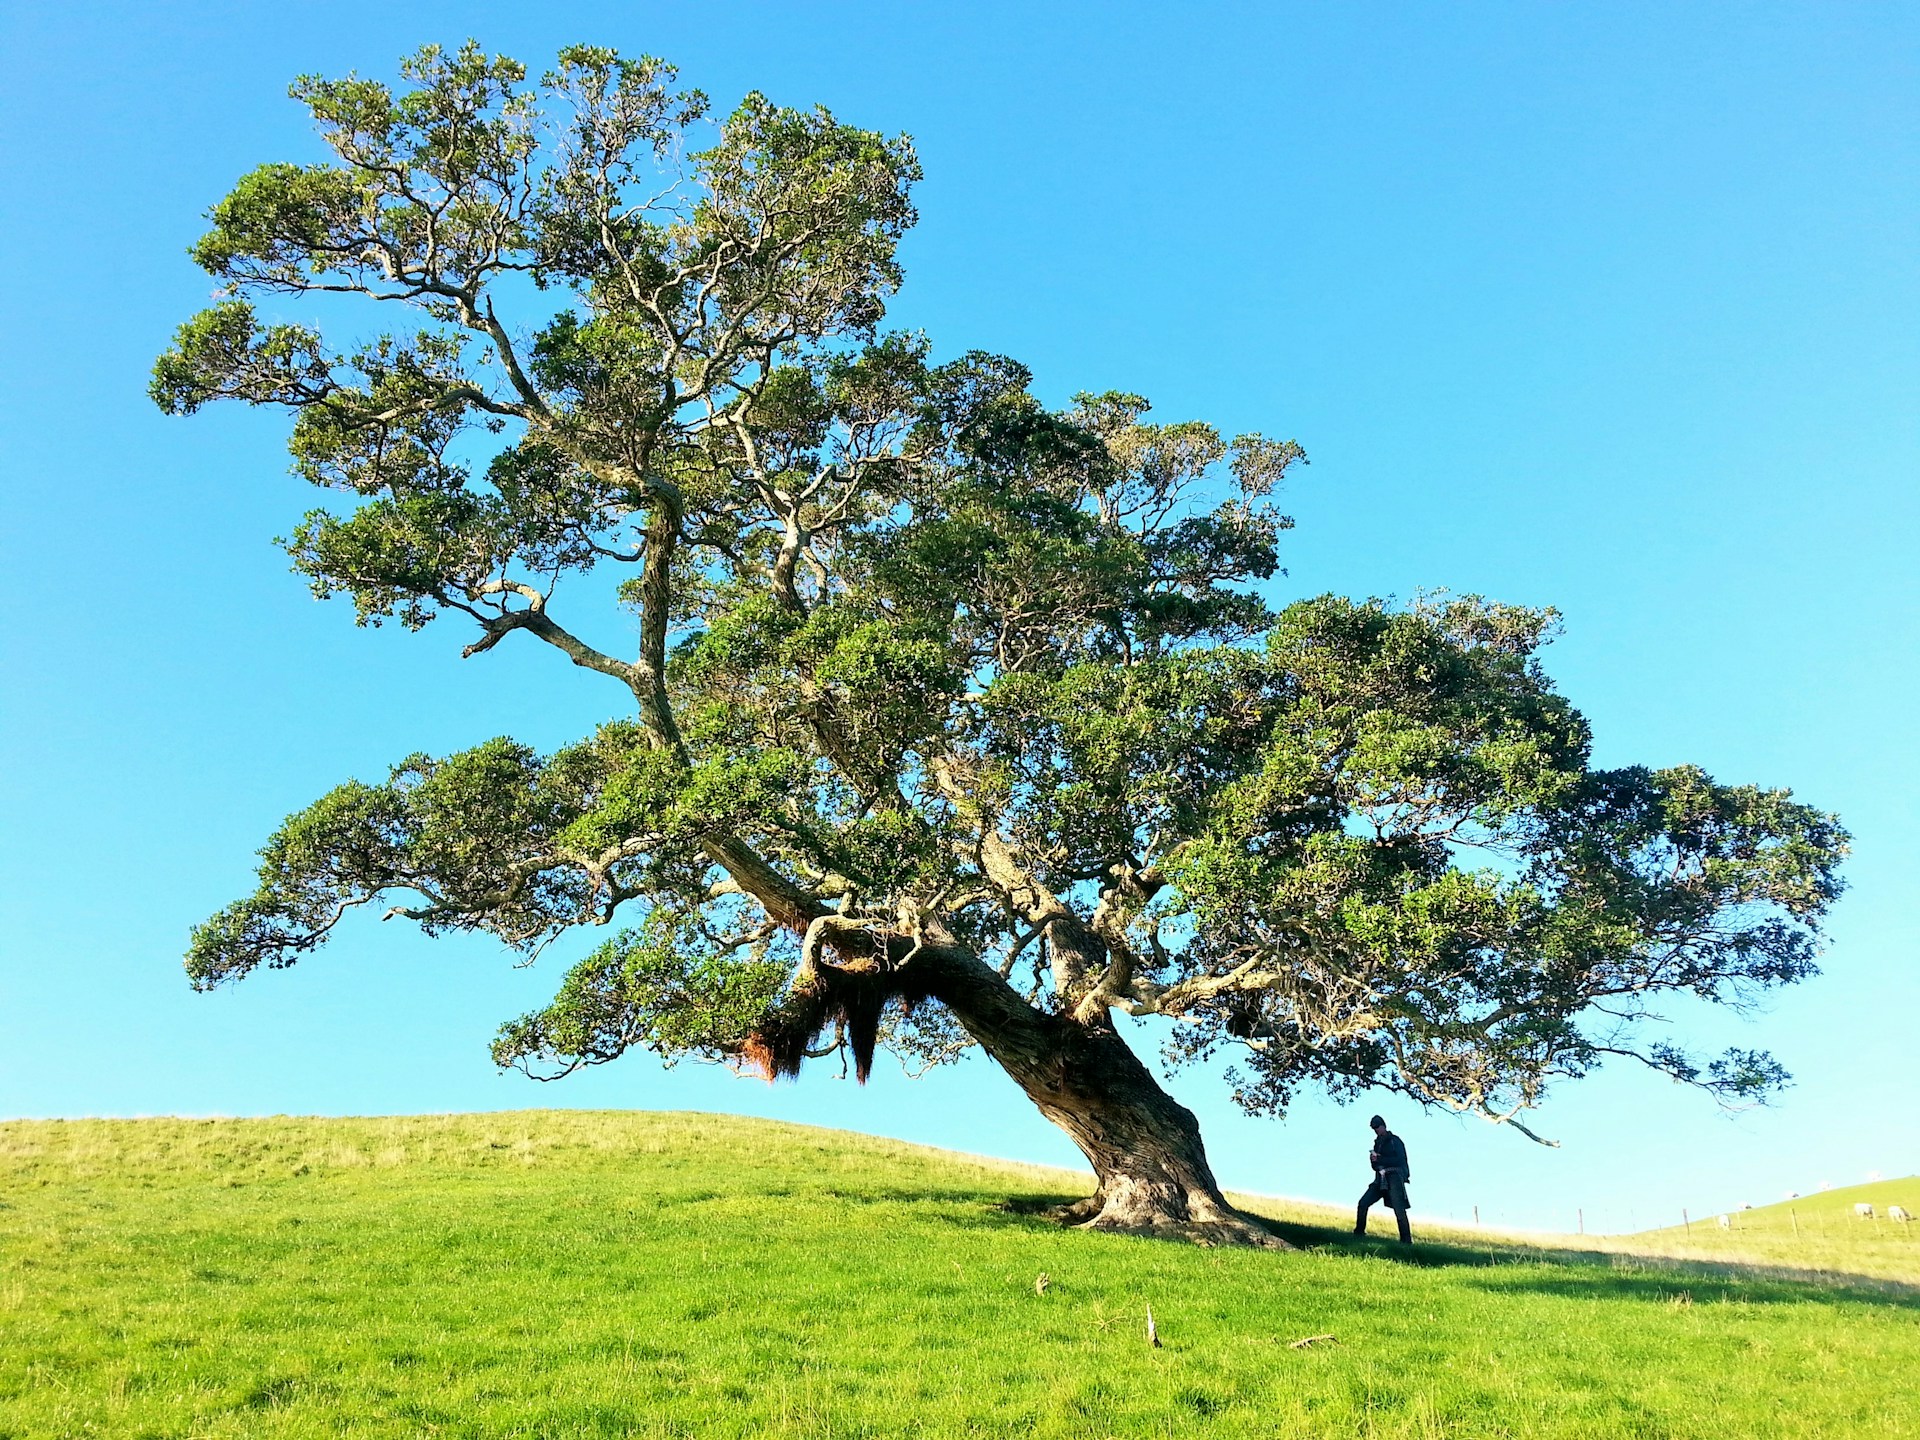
1144 1146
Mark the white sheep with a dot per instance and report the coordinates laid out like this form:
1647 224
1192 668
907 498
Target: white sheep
1897 1212
1863 1210
1726 1223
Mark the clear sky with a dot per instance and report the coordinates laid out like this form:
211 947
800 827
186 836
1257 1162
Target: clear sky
1610 307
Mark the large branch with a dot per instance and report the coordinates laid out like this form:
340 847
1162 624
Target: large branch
656 595
489 324
1074 948
784 901
1143 997
536 621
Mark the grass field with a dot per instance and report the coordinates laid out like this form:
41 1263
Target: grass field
1816 1232
563 1274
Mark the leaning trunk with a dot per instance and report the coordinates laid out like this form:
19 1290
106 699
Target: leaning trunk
1144 1146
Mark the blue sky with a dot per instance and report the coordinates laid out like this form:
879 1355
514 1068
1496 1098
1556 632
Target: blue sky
1613 308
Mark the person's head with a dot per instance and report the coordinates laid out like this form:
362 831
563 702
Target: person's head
1378 1124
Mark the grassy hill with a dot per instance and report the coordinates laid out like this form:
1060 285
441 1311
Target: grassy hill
564 1274
1813 1232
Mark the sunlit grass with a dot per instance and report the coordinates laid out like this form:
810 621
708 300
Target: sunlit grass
1817 1232
586 1274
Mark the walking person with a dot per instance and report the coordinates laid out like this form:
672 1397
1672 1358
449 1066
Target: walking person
1390 1175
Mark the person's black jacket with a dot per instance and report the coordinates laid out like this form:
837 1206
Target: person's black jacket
1390 1153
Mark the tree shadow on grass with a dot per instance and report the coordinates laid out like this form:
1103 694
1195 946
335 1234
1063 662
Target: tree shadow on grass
1032 1207
1578 1274
1594 1274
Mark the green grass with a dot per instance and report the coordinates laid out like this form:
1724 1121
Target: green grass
589 1274
1816 1232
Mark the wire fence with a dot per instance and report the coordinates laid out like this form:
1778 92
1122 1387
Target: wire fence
1809 1220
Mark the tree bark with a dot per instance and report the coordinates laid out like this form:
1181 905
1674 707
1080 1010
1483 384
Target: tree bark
1145 1148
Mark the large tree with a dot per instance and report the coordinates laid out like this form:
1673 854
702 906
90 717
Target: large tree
953 720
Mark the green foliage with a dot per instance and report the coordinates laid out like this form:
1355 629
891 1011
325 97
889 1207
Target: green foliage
1090 758
222 353
437 192
467 834
1411 744
926 670
770 180
336 852
669 987
287 220
393 555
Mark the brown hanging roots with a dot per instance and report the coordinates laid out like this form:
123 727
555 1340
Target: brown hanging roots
853 998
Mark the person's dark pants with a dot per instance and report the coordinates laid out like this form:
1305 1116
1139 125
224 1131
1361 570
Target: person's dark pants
1390 1186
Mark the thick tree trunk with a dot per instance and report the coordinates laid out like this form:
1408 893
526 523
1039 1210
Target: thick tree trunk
1144 1146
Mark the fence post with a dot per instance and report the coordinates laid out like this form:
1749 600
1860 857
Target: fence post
1476 1215
1791 1215
1686 1222
1583 1220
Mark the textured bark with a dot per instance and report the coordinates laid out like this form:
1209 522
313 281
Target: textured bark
1144 1146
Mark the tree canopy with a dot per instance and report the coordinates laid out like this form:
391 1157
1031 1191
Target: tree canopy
954 717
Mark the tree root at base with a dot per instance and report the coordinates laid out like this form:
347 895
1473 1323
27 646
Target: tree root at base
1216 1225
